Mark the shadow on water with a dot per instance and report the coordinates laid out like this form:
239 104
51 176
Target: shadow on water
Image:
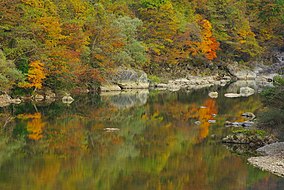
156 143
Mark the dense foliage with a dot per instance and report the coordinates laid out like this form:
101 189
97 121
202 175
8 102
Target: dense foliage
78 42
273 117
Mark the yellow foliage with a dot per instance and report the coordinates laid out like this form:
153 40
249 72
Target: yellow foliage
35 125
35 76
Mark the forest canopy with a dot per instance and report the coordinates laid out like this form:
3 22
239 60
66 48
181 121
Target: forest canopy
67 43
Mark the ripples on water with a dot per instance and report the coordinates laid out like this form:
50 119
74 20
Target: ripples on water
151 142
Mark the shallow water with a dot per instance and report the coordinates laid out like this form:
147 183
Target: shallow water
153 143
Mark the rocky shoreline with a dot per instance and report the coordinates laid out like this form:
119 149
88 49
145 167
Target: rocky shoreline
272 158
246 83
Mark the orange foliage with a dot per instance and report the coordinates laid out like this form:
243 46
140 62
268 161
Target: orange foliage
35 125
35 77
208 45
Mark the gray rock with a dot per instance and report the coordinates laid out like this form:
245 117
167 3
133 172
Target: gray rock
131 79
272 160
235 87
242 74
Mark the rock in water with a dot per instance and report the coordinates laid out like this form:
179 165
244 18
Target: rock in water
16 101
131 79
110 87
38 97
67 99
232 95
246 91
213 94
249 115
197 122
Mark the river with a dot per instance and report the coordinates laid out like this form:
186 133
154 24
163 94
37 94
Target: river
135 140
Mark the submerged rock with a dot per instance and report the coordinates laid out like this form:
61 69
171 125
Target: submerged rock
251 137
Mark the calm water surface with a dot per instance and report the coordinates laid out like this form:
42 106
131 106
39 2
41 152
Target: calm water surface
155 144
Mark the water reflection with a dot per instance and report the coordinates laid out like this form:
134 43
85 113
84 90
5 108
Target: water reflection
158 146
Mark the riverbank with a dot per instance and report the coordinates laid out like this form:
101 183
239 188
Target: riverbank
271 159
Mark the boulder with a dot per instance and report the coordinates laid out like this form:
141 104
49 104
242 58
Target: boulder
235 87
131 79
109 87
245 75
67 99
246 91
241 74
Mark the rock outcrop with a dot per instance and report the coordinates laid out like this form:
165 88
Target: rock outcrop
131 79
271 159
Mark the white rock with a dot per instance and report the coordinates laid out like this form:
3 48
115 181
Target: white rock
111 129
38 97
110 87
246 91
213 94
232 95
67 99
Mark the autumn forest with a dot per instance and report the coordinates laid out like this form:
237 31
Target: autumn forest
63 44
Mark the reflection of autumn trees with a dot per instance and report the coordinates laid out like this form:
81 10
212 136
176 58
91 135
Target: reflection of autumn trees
182 114
35 125
157 147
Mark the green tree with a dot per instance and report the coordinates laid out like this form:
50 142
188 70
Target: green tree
9 74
